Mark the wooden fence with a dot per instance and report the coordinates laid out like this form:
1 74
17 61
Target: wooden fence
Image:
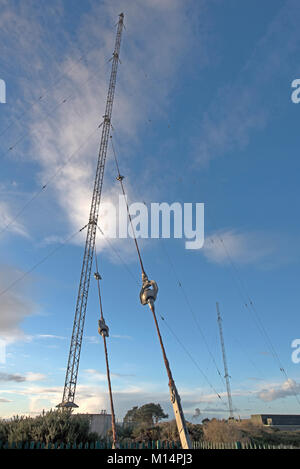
135 445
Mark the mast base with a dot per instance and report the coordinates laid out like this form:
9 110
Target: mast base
67 405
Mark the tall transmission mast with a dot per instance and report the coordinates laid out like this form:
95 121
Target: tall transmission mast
225 364
80 311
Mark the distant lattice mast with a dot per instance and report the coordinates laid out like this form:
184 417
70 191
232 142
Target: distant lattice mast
80 311
225 364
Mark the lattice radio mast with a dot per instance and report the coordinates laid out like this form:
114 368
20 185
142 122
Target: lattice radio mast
226 376
80 311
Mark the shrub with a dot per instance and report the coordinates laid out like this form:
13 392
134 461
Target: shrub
55 426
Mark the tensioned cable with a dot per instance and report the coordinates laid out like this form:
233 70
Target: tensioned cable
118 255
48 114
162 318
46 91
190 356
120 179
113 419
263 330
259 322
180 284
43 188
25 274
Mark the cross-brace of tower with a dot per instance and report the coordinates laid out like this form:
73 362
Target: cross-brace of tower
80 311
226 376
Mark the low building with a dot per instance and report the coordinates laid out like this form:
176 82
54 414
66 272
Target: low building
281 421
100 423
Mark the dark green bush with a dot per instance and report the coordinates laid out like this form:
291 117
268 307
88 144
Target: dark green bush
55 426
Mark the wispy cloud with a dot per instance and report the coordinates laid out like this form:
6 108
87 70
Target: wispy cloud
265 249
239 108
119 336
55 137
93 339
94 374
50 336
215 409
97 375
8 223
30 376
244 248
287 389
5 377
15 306
93 396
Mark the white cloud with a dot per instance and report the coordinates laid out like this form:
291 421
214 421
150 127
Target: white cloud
96 339
288 388
7 222
245 248
14 306
92 339
50 336
239 108
30 376
54 139
5 377
92 397
118 336
95 375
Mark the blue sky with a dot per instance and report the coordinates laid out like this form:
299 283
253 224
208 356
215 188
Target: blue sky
202 113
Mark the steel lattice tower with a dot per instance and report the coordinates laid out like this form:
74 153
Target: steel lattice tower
80 311
226 376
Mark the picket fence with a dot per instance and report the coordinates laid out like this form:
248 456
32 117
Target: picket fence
136 445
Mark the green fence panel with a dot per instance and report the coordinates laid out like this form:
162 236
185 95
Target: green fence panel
155 444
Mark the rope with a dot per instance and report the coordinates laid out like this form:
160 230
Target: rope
120 179
162 318
151 304
113 419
